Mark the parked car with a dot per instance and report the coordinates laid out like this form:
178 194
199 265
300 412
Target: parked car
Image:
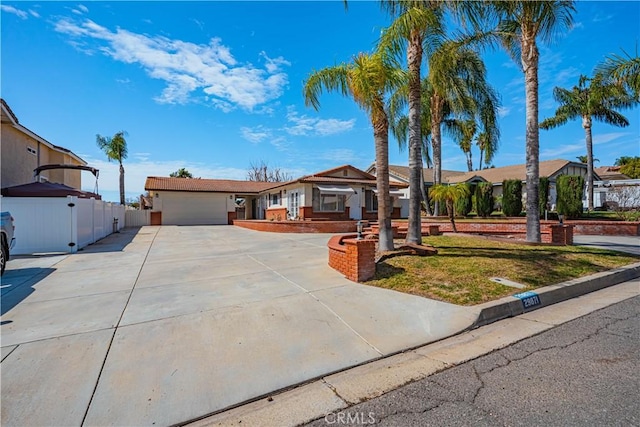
7 239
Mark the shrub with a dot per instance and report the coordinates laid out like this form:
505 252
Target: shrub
512 197
464 205
544 194
570 189
484 199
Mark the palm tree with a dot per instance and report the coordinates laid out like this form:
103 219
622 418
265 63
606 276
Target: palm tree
449 195
591 100
116 149
419 24
624 70
458 81
367 79
583 159
519 25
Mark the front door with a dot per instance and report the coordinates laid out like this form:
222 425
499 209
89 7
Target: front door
294 204
356 201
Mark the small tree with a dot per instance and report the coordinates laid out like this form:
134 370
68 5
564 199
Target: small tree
262 172
512 197
181 173
544 194
629 166
464 205
484 199
627 202
449 195
570 189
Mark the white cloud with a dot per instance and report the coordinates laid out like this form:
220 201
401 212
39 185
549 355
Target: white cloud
34 13
10 9
503 111
304 126
186 67
255 135
83 8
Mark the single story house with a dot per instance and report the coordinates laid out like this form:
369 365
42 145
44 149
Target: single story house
548 168
340 193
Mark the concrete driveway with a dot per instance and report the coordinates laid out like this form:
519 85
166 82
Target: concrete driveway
161 325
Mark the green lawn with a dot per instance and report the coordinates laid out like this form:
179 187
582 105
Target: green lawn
460 273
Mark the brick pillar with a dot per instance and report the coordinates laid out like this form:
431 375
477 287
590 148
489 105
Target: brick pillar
561 234
434 230
360 259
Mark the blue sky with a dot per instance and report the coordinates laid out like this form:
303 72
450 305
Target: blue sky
216 86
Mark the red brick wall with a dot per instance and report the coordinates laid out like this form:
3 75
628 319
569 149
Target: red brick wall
306 212
276 214
599 228
606 228
298 226
373 216
352 257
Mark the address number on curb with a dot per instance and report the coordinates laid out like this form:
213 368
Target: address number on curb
529 299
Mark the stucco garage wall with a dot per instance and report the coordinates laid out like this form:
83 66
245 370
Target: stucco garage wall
190 208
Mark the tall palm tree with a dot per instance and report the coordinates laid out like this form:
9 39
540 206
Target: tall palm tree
591 99
367 79
519 26
449 195
458 81
116 149
419 26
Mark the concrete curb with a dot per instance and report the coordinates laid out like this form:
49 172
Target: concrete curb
513 306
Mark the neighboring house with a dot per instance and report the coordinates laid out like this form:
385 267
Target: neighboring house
401 174
610 173
549 168
341 193
615 189
23 151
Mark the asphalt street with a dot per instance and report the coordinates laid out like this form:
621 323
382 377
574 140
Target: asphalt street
581 373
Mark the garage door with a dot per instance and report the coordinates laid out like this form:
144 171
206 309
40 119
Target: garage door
183 208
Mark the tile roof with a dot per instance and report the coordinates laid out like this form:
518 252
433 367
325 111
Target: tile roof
497 175
157 183
427 173
610 173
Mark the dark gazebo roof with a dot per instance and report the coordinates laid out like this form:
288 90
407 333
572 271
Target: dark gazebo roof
46 189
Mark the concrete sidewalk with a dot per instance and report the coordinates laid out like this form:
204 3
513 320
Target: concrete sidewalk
163 325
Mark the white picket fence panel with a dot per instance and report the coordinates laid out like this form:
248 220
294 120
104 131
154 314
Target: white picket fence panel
137 218
57 224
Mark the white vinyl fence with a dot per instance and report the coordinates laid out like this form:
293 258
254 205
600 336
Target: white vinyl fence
137 218
60 224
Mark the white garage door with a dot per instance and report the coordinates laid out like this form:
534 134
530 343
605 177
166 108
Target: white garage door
183 208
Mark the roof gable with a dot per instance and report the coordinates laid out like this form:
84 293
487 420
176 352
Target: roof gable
344 171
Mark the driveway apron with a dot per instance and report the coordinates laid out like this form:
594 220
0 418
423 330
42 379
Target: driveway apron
161 325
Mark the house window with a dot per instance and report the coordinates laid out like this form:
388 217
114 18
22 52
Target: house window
328 202
32 150
274 199
371 201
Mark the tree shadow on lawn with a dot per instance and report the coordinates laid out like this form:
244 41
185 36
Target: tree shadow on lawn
536 266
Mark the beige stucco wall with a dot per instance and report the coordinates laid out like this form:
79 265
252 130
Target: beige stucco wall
17 163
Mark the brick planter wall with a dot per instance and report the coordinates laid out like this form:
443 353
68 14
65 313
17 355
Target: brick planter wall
306 212
352 257
606 228
276 214
519 227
